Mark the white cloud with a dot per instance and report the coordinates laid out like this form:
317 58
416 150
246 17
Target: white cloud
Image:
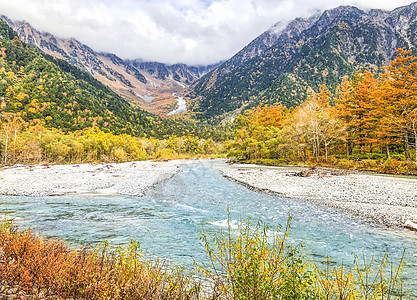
190 31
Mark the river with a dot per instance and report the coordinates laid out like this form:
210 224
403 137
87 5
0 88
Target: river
182 106
168 221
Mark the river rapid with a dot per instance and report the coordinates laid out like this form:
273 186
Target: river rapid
169 219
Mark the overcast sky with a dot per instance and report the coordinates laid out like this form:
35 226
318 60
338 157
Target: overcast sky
169 31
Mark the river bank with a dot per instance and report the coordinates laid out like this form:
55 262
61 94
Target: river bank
386 200
129 179
169 219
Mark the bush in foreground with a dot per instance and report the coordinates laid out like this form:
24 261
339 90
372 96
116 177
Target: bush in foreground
257 262
254 262
50 268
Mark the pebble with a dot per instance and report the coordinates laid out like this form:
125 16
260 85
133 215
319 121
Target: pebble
386 200
130 179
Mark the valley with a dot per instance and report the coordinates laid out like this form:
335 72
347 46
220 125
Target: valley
285 171
133 80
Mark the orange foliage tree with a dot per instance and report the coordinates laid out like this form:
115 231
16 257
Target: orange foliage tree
400 92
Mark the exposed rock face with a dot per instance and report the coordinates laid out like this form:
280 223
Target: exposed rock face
136 81
285 62
179 72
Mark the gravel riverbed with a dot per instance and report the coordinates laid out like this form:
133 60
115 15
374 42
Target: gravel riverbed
387 200
130 179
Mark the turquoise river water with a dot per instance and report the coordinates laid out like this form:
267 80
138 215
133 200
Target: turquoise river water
168 221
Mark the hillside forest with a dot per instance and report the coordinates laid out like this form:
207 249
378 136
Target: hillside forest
369 123
51 111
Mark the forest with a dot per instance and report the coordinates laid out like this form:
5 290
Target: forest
34 144
51 111
369 123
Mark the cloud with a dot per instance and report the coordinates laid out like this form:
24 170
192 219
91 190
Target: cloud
170 31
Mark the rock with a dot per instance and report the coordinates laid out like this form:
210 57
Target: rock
410 225
12 291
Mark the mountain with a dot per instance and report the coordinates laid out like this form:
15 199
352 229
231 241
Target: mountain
287 62
41 88
181 73
148 85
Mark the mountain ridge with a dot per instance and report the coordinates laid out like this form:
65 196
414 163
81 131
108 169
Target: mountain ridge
44 90
306 54
136 85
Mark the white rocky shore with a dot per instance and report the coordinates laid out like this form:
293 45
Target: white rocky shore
131 179
387 200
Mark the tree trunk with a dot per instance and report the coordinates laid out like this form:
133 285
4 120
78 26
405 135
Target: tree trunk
387 151
415 145
347 149
407 147
14 145
6 146
314 147
317 142
415 139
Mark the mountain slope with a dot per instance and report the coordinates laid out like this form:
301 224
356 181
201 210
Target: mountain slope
52 91
139 86
304 55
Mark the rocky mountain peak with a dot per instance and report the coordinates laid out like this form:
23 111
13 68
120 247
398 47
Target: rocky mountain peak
378 14
8 21
136 81
296 27
304 55
334 15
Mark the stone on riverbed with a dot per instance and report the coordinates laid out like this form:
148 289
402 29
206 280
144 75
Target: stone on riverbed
410 225
130 179
386 200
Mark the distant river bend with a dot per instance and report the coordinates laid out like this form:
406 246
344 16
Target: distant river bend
182 106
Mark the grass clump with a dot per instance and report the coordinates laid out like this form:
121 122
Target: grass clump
51 269
253 262
258 262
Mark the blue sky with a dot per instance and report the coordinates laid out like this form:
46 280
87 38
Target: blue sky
189 31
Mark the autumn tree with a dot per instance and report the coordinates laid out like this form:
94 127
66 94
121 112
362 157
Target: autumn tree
365 100
10 127
319 121
401 91
343 109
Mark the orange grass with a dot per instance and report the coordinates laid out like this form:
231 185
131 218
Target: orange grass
50 268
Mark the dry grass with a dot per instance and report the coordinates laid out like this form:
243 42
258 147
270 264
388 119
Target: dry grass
247 266
51 269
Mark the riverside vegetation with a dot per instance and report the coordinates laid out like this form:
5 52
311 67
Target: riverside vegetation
254 262
370 123
23 143
53 112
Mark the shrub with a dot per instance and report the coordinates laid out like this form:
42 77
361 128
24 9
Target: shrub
52 269
256 262
166 154
398 156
